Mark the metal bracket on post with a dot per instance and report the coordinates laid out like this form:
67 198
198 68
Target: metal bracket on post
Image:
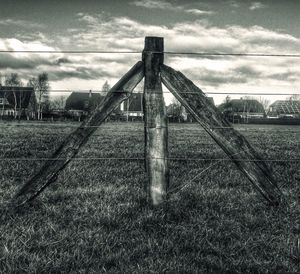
156 131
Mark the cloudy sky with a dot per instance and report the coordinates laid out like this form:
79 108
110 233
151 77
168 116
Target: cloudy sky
227 26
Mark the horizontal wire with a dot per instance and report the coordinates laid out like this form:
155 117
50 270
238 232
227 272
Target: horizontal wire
245 93
154 158
231 54
194 134
217 93
162 52
238 128
72 51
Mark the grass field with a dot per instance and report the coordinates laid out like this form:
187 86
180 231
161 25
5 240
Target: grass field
95 218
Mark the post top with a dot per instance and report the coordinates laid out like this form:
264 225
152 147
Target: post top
153 37
153 43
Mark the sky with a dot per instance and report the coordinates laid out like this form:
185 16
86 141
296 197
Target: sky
227 26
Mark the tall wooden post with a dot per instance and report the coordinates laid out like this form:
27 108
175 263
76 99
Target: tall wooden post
156 131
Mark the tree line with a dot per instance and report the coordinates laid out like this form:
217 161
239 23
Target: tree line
40 85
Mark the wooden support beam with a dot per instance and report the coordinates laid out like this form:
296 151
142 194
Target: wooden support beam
71 145
156 131
231 141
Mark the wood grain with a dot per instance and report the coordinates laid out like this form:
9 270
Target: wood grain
156 131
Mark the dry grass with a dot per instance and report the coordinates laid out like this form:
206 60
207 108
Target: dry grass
95 217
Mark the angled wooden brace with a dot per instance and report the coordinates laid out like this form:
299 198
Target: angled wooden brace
71 145
231 141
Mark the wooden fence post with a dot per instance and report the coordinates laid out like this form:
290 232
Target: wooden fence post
156 131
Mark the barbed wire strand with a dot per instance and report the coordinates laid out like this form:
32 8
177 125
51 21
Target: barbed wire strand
168 92
232 54
142 158
191 133
72 51
288 55
171 127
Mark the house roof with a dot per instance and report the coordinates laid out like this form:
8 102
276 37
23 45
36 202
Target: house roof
135 102
285 107
19 96
242 105
83 100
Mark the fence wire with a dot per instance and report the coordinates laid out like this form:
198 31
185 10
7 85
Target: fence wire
143 158
203 54
171 53
165 92
191 133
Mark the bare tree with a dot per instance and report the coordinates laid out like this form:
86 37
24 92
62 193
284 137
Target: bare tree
174 110
227 99
3 99
13 80
105 87
265 103
58 103
294 97
41 88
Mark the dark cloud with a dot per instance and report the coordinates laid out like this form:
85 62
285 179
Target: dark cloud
241 75
247 72
21 23
8 61
216 78
235 75
290 76
62 60
83 73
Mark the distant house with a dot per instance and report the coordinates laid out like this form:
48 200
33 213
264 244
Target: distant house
241 110
81 103
132 108
284 109
17 102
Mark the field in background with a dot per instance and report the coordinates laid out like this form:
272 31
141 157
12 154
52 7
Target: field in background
95 217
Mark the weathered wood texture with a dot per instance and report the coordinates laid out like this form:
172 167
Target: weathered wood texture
71 145
156 131
231 141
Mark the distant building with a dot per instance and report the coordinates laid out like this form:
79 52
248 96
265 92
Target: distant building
241 110
132 108
17 102
81 103
284 109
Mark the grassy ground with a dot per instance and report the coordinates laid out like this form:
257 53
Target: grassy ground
95 219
